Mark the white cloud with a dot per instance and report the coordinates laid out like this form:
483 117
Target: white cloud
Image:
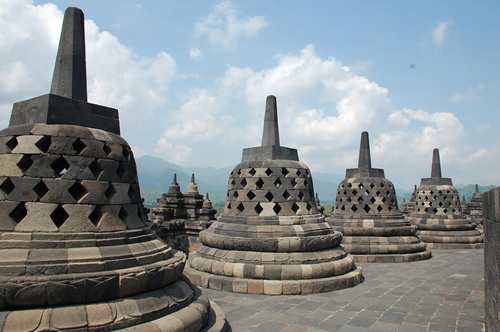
471 93
482 127
195 53
120 79
440 32
223 26
176 153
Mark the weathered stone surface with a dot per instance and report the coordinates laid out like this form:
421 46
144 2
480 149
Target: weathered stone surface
76 252
270 228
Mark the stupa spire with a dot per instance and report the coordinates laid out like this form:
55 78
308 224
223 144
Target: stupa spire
271 135
436 164
70 71
365 160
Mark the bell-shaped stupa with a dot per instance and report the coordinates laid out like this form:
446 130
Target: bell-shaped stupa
270 238
366 212
438 214
76 251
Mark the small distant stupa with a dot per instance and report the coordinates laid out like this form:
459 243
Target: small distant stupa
438 214
366 212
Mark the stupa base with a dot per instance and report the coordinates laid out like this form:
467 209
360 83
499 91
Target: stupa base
177 307
455 245
274 287
395 258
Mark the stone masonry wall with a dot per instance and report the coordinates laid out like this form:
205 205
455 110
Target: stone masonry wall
491 209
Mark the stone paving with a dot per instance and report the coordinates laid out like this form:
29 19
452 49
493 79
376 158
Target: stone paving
444 293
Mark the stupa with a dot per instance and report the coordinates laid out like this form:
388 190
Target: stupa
475 207
411 204
366 212
404 207
438 214
76 252
180 217
465 207
270 238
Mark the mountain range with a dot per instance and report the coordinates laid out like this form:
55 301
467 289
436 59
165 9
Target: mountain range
155 175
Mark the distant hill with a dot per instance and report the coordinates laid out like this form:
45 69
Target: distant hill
155 175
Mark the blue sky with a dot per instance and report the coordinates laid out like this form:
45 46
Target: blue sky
190 78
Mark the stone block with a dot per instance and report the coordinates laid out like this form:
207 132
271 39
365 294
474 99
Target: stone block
58 191
38 218
28 144
255 286
273 287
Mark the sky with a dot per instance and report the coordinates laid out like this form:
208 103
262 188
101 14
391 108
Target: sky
190 78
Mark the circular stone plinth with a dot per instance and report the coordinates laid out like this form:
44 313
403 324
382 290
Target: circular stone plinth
455 245
274 287
398 258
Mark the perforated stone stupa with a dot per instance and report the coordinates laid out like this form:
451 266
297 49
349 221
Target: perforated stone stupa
76 253
270 237
366 212
438 213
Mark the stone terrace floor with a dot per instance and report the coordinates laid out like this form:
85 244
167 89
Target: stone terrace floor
444 293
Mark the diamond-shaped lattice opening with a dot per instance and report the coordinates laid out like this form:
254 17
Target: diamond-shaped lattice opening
422 204
270 196
258 208
295 208
232 182
345 192
235 194
449 203
389 208
308 207
372 185
25 163
250 195
229 206
299 173
349 200
343 208
382 185
131 193
423 192
431 192
426 198
96 169
354 192
440 204
284 171
259 183
7 186
60 166
360 200
79 146
378 193
387 192
384 199
340 199
305 183
123 214
126 153
447 191
354 208
440 192
301 195
277 208
379 208
418 209
360 186
435 198
269 172
277 183
40 189
430 203
286 195
435 210
366 193
110 192
77 191
252 172
390 185
240 207
426 210
372 200
366 208
43 144
59 216
121 171
12 143
445 210
349 185
107 150
239 172
18 213
243 182
453 210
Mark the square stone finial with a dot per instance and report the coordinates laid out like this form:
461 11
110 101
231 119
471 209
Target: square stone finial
364 162
67 101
